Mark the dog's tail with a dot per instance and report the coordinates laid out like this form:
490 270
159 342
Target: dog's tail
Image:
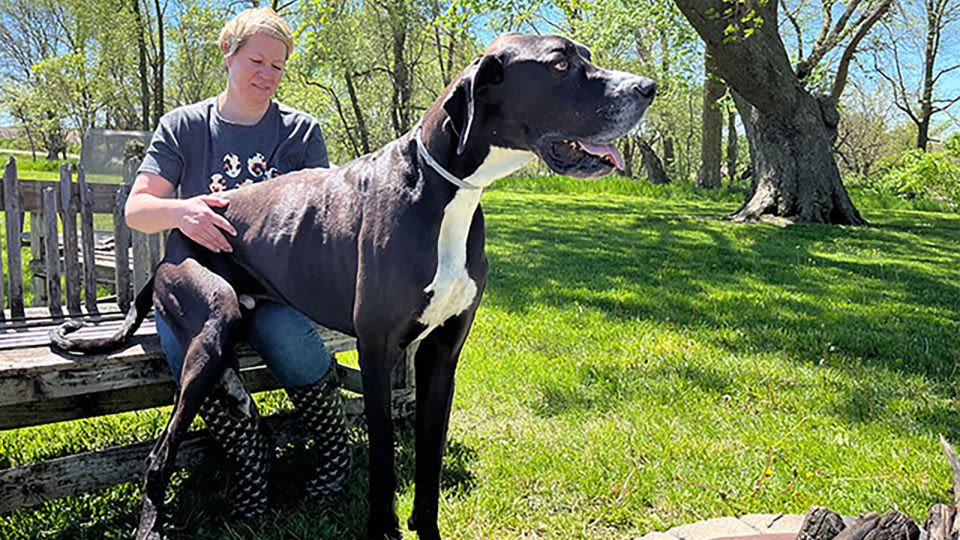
60 339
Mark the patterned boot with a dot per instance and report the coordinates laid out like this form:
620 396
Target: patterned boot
237 430
320 408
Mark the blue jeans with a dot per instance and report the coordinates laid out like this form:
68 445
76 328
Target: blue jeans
286 339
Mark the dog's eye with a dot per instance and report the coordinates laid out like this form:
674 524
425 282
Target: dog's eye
562 65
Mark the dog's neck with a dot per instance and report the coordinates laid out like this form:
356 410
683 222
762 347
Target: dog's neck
481 162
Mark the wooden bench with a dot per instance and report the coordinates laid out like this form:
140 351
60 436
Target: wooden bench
39 386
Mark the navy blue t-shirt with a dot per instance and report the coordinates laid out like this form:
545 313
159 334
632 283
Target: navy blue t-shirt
202 153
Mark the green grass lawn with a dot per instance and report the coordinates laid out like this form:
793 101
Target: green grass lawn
637 364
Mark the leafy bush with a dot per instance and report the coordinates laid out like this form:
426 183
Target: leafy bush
26 163
919 174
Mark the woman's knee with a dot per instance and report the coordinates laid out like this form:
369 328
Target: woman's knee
289 344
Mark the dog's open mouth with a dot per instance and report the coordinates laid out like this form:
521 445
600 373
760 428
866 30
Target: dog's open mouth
582 159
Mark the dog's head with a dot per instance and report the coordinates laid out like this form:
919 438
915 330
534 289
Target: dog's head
544 95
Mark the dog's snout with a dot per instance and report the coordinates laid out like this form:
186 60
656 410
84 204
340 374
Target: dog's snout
645 87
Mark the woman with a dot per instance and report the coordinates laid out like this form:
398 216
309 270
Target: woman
241 137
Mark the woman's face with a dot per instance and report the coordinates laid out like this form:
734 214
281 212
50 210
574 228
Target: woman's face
254 71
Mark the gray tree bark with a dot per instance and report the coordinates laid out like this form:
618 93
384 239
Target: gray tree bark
711 143
732 146
795 175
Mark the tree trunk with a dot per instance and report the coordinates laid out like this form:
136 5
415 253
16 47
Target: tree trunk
795 175
711 143
142 67
929 59
158 77
669 151
628 157
652 165
357 112
732 144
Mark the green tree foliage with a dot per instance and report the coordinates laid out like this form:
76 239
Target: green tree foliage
369 69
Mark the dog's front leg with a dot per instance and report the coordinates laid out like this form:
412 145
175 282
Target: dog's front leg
436 362
376 364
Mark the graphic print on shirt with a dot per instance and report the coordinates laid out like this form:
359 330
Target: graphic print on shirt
216 183
231 175
231 165
256 165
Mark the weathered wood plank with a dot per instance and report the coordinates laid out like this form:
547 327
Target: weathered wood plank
32 374
30 485
31 195
121 245
141 260
51 255
88 240
36 254
68 221
11 209
154 250
256 379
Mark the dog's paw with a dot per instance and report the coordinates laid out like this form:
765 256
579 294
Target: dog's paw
426 529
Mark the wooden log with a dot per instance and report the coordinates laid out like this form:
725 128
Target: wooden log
88 242
939 523
51 255
11 209
890 526
31 195
820 524
68 221
121 243
36 254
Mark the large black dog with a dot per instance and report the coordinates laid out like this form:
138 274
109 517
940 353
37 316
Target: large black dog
388 248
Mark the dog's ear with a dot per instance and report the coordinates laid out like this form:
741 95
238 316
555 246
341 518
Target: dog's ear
459 105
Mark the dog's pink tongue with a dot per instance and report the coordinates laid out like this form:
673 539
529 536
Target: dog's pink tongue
604 150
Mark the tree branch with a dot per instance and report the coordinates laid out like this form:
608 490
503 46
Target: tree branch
842 70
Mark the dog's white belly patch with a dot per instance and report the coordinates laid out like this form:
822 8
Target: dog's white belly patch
452 290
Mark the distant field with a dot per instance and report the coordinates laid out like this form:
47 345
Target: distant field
637 364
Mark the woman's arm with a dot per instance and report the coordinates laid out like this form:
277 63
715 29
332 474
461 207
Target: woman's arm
152 207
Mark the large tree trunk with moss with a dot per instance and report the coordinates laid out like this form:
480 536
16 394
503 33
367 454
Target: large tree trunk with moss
795 174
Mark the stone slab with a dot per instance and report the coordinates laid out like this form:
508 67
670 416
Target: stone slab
713 528
658 536
774 523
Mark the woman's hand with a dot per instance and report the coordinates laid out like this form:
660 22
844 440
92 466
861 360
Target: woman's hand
204 226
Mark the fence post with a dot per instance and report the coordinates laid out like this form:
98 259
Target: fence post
52 251
88 239
121 247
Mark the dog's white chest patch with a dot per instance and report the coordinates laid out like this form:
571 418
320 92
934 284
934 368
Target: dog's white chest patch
452 290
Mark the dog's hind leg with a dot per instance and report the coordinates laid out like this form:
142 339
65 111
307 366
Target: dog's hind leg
210 315
436 362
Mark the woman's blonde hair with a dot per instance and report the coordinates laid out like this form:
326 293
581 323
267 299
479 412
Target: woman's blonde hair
254 21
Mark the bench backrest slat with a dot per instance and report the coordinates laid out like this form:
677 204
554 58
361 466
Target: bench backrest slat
31 200
121 248
37 236
87 240
51 252
68 222
11 208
